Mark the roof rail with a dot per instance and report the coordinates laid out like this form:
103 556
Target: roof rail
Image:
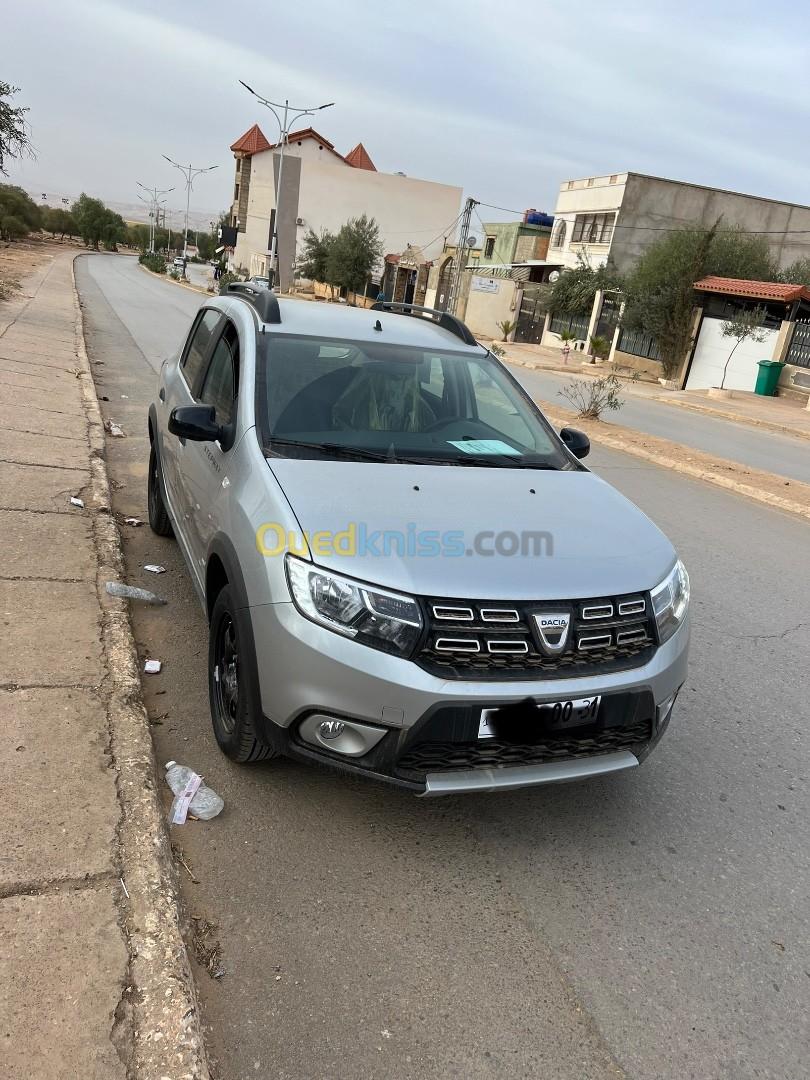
442 318
263 300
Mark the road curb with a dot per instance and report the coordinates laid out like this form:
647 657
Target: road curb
625 440
750 421
158 1011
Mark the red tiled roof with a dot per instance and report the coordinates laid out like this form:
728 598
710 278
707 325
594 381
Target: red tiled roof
753 290
359 159
252 142
310 133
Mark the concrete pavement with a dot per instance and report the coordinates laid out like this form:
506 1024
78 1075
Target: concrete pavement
95 982
652 926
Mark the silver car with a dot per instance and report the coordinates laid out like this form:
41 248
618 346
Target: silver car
408 574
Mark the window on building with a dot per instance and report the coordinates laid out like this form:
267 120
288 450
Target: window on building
236 193
489 247
559 235
614 178
593 228
590 181
238 166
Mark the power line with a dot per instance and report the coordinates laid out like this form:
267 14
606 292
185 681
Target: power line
667 228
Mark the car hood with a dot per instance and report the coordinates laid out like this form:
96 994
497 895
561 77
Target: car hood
452 530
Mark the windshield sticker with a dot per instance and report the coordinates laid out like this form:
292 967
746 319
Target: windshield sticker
485 446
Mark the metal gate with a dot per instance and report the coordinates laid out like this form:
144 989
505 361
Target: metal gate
799 350
608 317
531 318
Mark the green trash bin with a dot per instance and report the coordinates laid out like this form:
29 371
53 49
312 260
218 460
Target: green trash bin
768 377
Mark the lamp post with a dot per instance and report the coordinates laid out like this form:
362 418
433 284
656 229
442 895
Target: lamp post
190 174
284 124
155 196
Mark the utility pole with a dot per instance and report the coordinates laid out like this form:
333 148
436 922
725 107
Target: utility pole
462 253
190 174
284 126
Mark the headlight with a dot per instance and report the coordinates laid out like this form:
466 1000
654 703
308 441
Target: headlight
376 617
670 601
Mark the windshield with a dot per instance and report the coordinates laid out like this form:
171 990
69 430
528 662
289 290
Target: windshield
376 402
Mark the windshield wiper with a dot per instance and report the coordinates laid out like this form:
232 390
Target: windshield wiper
338 449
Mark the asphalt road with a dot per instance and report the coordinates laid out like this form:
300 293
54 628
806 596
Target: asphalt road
653 925
756 447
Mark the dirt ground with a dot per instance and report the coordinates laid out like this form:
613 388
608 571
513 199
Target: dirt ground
21 257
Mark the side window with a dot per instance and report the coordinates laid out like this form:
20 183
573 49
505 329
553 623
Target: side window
197 348
222 377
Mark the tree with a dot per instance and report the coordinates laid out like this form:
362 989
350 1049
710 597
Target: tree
798 273
574 290
97 224
56 220
315 255
19 214
659 294
356 250
14 139
744 326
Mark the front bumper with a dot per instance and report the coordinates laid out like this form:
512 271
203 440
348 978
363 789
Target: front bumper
431 724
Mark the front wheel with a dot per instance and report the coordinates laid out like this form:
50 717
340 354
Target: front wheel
233 682
159 520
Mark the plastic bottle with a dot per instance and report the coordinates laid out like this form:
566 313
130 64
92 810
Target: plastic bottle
206 803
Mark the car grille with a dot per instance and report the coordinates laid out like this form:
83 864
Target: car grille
489 639
428 757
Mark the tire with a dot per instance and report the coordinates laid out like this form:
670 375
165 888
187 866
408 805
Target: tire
233 684
159 520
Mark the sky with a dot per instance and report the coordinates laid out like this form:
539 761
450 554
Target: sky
505 98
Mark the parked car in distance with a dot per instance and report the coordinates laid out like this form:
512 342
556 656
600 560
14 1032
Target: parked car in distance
408 573
179 262
262 282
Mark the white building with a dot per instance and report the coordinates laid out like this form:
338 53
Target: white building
622 214
323 189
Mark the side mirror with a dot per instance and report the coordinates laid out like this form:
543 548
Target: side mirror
195 422
576 441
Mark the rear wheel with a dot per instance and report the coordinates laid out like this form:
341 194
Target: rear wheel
158 515
233 689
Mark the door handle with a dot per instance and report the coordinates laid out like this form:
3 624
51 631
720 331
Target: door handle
162 394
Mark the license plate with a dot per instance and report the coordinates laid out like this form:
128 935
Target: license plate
554 714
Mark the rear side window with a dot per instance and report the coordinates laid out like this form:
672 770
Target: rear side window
221 380
197 347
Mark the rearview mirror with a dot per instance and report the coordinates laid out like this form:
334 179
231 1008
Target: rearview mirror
577 442
195 422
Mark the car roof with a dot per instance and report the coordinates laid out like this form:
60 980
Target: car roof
341 321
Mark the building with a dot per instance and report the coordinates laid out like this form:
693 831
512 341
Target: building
494 272
323 189
619 216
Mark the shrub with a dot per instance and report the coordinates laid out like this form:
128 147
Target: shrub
497 350
227 278
592 397
506 327
155 263
600 347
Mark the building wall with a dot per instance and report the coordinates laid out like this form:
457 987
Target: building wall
652 202
485 308
515 242
408 211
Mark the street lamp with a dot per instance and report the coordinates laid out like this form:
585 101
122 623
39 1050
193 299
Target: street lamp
155 196
284 126
190 173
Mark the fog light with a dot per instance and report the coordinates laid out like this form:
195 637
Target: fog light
331 729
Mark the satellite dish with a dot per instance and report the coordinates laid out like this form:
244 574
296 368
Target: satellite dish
554 275
471 241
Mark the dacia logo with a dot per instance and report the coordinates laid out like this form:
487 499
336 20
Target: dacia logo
552 629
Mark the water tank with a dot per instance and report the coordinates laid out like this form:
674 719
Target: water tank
537 217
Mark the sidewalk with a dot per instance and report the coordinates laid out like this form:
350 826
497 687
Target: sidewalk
782 415
95 981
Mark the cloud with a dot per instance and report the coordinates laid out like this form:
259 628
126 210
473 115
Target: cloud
505 99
